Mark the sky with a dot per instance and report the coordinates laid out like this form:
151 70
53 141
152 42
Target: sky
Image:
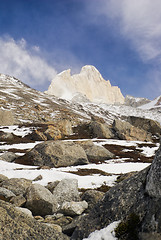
122 39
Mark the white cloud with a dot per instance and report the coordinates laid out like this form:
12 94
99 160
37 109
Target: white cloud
137 21
18 60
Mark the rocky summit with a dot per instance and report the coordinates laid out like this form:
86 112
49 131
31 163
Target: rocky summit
89 83
71 166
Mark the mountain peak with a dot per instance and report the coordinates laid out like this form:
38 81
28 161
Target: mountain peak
88 82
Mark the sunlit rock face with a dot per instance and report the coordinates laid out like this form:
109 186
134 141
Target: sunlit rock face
89 83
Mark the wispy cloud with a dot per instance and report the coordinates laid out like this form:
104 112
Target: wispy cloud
24 62
139 24
137 21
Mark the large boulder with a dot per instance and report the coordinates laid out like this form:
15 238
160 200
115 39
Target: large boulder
66 191
17 185
14 224
124 130
6 118
134 199
148 125
55 154
40 200
94 152
100 130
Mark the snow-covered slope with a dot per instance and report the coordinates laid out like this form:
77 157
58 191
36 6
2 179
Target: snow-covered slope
155 104
135 101
88 82
30 105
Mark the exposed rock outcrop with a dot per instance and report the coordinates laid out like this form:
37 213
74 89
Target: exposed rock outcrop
14 224
139 195
88 82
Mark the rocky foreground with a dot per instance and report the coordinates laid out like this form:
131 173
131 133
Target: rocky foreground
63 135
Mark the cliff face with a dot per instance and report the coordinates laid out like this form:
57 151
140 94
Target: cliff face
88 82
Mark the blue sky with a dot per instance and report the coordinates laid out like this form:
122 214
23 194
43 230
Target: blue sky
39 38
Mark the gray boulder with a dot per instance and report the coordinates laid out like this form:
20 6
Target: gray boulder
17 185
55 154
66 191
40 200
73 208
14 224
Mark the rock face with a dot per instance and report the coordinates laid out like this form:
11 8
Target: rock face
55 154
88 82
139 195
20 226
153 186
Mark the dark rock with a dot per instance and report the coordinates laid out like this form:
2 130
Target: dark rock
139 196
17 225
153 184
69 228
92 197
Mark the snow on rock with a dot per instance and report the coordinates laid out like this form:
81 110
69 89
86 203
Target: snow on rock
88 82
106 233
